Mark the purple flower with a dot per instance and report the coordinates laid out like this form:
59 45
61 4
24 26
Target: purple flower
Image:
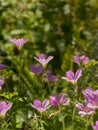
4 108
61 99
51 77
2 66
73 77
91 97
95 127
41 106
19 42
2 81
43 60
81 60
36 70
84 109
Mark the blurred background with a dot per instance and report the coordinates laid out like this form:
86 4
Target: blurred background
62 28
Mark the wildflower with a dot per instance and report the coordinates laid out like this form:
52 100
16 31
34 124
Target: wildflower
51 77
61 99
42 59
73 77
2 81
95 127
19 42
81 60
84 109
2 66
36 70
4 108
41 106
91 97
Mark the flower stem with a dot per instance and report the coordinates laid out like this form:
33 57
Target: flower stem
63 124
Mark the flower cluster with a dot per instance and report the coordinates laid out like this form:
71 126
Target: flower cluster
3 106
81 60
41 68
54 101
91 102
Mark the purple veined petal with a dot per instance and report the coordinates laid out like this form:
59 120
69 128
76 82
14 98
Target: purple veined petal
63 99
8 106
84 59
95 127
42 56
40 60
67 79
95 93
40 68
51 77
92 106
45 103
49 59
37 103
97 123
36 70
2 66
54 100
83 113
2 105
70 75
78 74
43 60
88 90
5 107
40 106
41 109
77 59
89 95
36 58
19 42
2 82
80 106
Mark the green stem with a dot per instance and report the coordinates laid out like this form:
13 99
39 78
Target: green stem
63 124
73 113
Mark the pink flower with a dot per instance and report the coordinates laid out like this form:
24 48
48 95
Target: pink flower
73 77
51 77
91 97
43 60
19 42
84 109
2 66
36 70
81 60
61 99
41 106
95 127
2 82
4 108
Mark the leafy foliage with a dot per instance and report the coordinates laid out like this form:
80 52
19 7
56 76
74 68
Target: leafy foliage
62 28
